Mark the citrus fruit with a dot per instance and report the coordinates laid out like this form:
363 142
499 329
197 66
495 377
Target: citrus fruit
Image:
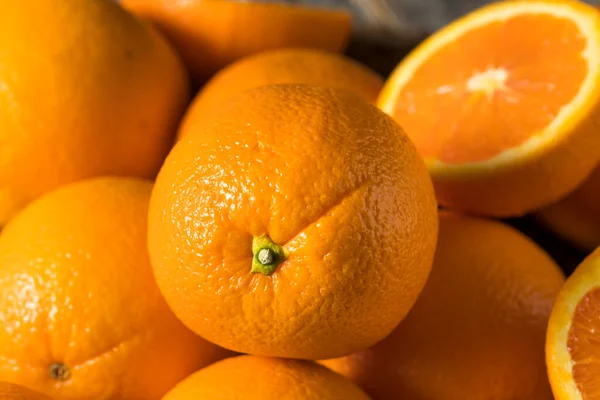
572 346
258 378
477 330
306 66
301 224
85 90
577 217
81 316
10 391
212 34
503 104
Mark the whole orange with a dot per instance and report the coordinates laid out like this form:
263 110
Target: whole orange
577 216
258 378
300 224
308 66
477 331
81 316
212 34
85 90
10 391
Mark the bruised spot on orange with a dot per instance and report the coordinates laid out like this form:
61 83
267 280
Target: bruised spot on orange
493 88
584 345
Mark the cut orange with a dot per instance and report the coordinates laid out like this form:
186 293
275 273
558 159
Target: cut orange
211 34
503 104
577 217
572 345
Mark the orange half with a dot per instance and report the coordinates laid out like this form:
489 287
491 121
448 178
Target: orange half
503 104
573 341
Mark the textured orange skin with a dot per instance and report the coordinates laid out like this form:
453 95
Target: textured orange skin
304 66
85 90
257 378
477 330
212 34
577 217
322 172
10 391
76 287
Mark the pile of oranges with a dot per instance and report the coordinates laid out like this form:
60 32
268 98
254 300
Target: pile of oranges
299 227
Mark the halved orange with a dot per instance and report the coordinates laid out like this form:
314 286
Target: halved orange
210 34
504 104
577 217
573 341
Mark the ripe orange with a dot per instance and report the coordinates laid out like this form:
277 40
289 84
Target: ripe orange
10 391
301 224
81 316
85 90
257 378
572 346
577 217
504 104
477 330
212 34
308 66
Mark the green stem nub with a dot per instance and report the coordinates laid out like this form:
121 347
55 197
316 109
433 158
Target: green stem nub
267 255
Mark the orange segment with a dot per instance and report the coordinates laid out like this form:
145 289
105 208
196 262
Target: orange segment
211 34
573 346
508 92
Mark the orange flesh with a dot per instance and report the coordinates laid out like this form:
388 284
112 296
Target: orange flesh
543 68
584 345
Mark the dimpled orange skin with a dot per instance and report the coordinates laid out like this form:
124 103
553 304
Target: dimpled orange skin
321 172
85 90
212 34
76 288
10 391
305 66
257 378
477 331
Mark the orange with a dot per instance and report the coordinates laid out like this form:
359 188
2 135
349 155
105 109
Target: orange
85 90
210 34
10 391
504 104
572 347
257 378
301 224
577 217
81 315
309 66
477 331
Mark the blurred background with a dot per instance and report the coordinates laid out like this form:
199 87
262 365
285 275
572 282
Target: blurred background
385 20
